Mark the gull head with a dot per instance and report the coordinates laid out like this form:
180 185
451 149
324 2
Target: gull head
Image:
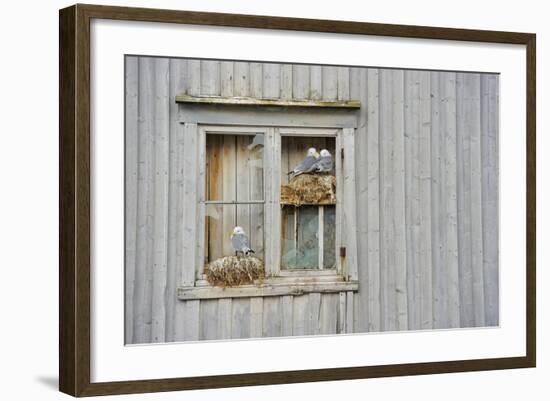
238 230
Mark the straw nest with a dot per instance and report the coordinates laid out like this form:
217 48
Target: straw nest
231 271
310 189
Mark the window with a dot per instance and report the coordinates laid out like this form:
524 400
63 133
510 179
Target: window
234 188
300 226
308 207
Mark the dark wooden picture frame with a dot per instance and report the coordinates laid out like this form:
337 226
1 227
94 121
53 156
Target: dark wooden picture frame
74 200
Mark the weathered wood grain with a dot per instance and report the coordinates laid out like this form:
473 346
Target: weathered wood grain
224 319
271 81
241 81
490 195
241 317
226 78
143 277
175 311
160 213
330 83
208 320
373 200
131 190
425 161
210 77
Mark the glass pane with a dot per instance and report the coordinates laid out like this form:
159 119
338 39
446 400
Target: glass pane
219 225
234 167
329 230
308 203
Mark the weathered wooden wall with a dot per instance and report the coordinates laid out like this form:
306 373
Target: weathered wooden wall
427 201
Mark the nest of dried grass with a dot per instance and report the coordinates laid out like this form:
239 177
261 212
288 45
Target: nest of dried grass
310 189
231 271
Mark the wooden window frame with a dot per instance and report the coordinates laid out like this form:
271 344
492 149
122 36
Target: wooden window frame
217 115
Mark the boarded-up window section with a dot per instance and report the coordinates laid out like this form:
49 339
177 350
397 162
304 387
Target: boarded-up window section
308 207
234 192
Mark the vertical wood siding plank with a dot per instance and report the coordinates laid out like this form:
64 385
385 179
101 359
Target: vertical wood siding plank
388 305
226 78
313 314
448 121
175 312
241 79
286 81
425 182
476 198
240 327
194 77
224 318
438 205
299 315
271 81
360 81
300 81
329 313
316 82
131 190
160 214
464 204
191 328
210 77
287 311
330 83
412 196
209 319
256 317
142 293
490 176
349 312
398 171
341 313
191 316
343 83
272 317
354 82
373 199
256 78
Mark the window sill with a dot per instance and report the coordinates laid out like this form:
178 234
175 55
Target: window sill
270 287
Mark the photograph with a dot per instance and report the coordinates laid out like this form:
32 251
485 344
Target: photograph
268 199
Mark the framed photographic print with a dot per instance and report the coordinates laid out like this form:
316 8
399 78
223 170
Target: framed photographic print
251 200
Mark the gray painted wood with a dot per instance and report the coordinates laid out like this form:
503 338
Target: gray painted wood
160 213
131 190
175 311
224 318
271 81
373 201
143 279
490 177
426 190
209 320
210 77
